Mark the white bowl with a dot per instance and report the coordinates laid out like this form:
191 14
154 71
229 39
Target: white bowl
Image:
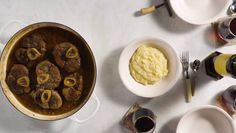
160 87
206 119
200 11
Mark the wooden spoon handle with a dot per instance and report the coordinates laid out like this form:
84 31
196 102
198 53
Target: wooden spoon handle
148 10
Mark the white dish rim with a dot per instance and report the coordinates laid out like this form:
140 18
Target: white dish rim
170 85
182 120
210 20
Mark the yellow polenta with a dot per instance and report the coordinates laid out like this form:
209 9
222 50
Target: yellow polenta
148 65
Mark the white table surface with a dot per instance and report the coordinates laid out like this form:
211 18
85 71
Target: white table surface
108 26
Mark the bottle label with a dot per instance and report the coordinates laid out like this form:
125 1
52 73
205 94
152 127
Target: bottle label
220 63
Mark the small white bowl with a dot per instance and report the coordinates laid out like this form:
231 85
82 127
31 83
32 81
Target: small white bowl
200 11
160 87
206 119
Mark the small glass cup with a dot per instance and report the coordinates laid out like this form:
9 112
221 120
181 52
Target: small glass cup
144 121
139 120
226 29
229 98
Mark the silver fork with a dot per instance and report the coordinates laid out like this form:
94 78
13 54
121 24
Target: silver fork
185 64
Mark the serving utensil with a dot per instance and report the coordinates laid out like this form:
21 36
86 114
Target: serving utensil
185 64
195 65
150 9
153 8
232 8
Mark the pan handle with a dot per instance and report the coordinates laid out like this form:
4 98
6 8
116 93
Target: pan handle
8 30
88 111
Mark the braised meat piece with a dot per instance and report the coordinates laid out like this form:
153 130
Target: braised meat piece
47 99
67 57
18 79
34 41
31 50
73 86
48 75
21 56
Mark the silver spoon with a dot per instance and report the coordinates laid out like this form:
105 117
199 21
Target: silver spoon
195 67
232 8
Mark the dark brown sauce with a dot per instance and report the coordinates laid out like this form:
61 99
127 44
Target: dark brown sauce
233 26
52 36
144 124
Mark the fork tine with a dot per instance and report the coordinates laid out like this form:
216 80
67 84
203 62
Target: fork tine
182 57
187 56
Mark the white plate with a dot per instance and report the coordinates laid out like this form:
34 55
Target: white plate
200 11
160 87
206 119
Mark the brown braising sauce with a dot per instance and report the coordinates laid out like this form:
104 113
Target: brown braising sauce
52 36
